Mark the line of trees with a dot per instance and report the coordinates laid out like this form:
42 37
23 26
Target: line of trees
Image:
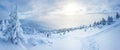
107 21
98 24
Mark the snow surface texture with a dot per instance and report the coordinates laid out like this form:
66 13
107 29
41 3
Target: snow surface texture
106 38
97 37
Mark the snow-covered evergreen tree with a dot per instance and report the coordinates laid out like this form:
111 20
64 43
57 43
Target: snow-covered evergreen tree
103 21
3 25
14 32
95 24
117 16
109 20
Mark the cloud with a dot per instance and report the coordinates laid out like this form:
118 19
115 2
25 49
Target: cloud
6 7
52 11
103 6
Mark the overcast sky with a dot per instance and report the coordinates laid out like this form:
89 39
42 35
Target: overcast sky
61 13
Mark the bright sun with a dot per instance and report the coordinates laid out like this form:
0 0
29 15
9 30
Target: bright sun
73 8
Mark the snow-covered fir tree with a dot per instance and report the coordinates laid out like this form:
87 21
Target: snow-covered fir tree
103 21
117 16
14 32
3 25
109 20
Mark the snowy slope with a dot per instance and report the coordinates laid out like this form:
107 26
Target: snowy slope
106 38
96 39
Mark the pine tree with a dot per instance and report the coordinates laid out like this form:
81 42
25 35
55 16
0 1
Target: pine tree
110 20
117 15
14 32
95 23
98 23
103 21
3 26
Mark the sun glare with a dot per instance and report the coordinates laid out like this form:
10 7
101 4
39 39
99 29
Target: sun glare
73 8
